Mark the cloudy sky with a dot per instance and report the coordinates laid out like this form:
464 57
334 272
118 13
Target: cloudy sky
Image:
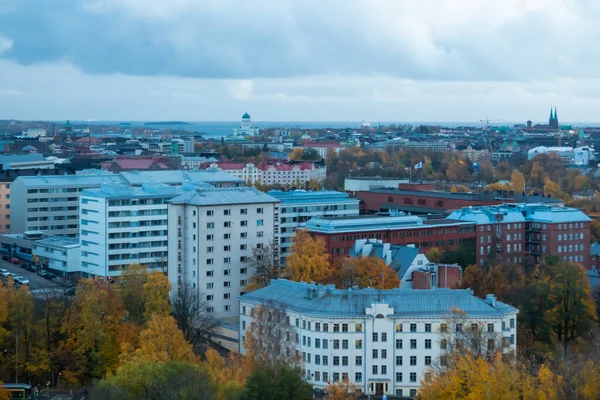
300 60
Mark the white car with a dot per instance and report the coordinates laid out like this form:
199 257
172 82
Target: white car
21 280
4 272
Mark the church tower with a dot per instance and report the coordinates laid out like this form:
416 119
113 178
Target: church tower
553 121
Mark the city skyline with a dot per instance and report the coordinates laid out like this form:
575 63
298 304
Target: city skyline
457 61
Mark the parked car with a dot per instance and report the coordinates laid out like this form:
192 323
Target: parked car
4 272
21 280
41 273
14 261
30 267
5 257
71 291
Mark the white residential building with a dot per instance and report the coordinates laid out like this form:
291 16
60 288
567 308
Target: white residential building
58 253
211 236
285 174
383 341
323 147
298 206
123 225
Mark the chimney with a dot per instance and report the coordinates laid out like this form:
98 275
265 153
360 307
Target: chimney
491 300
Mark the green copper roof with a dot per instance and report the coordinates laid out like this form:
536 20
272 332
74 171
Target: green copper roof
246 116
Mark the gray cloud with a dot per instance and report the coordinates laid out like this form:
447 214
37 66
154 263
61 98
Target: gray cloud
441 40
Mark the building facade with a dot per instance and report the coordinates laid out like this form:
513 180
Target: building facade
211 236
512 232
383 341
122 225
60 254
282 173
339 234
246 128
299 206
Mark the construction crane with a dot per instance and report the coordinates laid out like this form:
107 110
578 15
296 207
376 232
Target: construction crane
487 121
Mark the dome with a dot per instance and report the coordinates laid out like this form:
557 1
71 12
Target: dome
246 116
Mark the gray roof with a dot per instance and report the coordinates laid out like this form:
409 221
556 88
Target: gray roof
469 196
207 197
405 302
136 178
402 256
69 180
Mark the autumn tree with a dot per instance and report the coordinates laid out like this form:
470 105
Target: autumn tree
156 381
274 382
373 272
308 259
459 189
230 372
270 339
517 181
342 390
155 292
296 154
265 264
189 310
434 254
485 172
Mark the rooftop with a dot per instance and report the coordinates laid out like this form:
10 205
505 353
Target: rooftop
309 196
176 177
58 241
241 195
83 180
468 196
148 189
522 212
405 302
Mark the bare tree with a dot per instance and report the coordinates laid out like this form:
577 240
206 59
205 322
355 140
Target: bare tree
461 335
189 310
270 338
265 262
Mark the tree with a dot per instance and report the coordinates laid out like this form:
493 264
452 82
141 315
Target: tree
270 339
156 291
517 181
148 380
342 390
572 310
265 264
434 254
308 259
276 382
296 154
161 341
459 189
189 310
485 172
230 373
373 272
553 189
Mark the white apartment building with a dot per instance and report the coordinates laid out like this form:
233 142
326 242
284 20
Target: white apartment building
123 225
298 206
58 253
211 236
274 173
383 341
51 203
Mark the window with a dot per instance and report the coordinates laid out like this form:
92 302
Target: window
209 249
259 234
210 213
413 360
428 343
227 212
427 327
226 272
244 211
443 328
413 378
325 327
227 236
227 260
243 223
459 327
226 284
375 370
384 337
227 224
383 369
375 353
358 327
413 327
384 354
209 285
375 337
398 327
260 210
358 377
427 360
358 361
345 344
358 344
443 344
260 222
209 237
413 343
336 344
399 379
490 327
336 360
399 360
345 361
325 358
336 327
413 392
325 343
398 343
317 376
243 235
227 248
210 261
209 273
210 225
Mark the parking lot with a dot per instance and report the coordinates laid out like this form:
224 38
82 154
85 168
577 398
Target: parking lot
35 281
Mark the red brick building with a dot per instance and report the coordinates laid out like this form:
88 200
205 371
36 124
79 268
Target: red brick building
511 232
424 202
340 233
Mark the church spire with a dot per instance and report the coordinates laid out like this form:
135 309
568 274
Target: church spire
555 114
551 116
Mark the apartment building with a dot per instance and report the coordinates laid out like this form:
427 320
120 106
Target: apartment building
123 225
299 206
383 341
511 232
271 173
211 236
51 203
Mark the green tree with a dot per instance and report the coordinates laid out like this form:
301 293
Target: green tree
277 383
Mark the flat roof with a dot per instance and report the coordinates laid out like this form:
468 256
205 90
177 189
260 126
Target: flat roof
58 241
464 196
241 195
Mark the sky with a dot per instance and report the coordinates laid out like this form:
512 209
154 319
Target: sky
300 60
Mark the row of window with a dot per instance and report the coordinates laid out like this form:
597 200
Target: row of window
318 376
211 285
564 249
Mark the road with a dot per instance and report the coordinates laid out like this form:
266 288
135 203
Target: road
35 281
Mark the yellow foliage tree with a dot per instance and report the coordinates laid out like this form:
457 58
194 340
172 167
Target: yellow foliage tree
156 291
308 259
459 189
517 181
342 390
434 254
553 189
498 186
162 340
296 154
374 273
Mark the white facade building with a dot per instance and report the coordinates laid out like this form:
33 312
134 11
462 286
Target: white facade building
284 174
383 341
123 225
58 253
362 184
246 128
211 236
579 156
298 206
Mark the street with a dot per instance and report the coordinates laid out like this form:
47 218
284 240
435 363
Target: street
37 285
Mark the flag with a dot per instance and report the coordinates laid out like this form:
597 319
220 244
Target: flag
419 165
